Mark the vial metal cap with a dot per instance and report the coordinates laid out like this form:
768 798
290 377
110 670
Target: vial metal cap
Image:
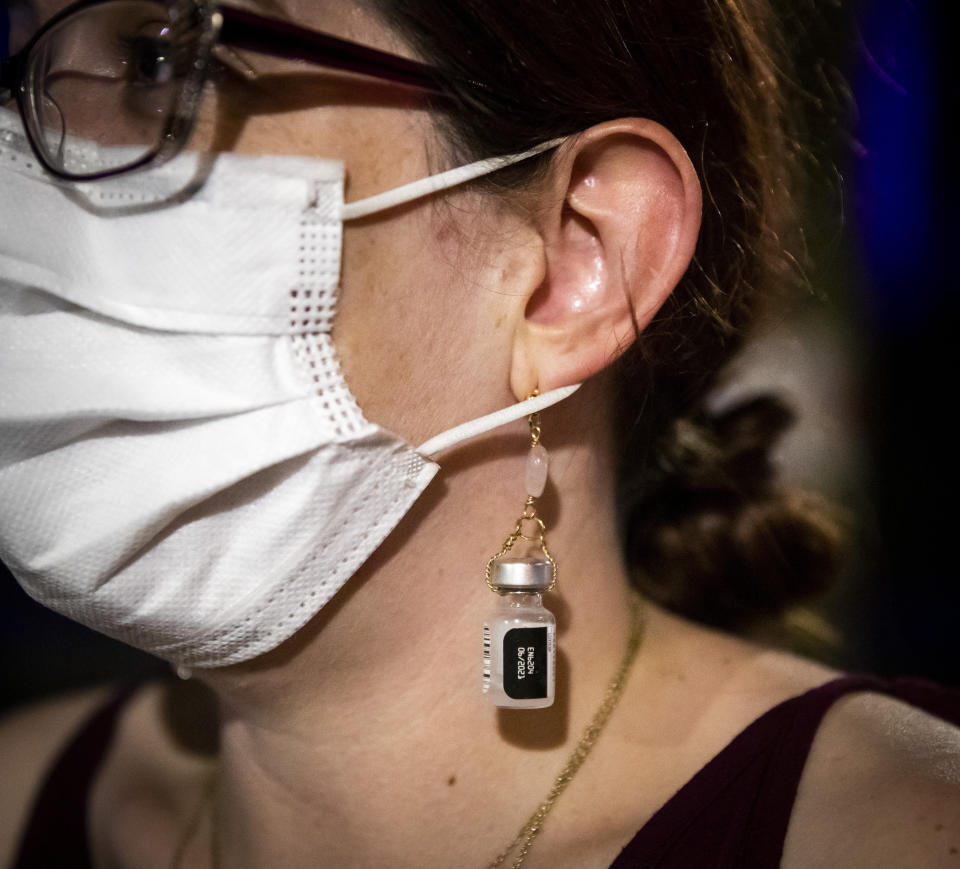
522 574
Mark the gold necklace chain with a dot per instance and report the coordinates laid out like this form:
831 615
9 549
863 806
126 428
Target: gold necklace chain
531 829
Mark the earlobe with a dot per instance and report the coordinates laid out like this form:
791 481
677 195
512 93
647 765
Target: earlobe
619 234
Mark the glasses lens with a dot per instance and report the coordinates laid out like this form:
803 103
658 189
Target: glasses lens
103 84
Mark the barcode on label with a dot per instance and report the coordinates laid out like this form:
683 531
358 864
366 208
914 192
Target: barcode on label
486 657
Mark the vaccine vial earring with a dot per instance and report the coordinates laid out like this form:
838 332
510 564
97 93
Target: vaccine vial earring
519 634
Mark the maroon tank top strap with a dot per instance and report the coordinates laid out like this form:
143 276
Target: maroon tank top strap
777 788
735 811
56 831
782 776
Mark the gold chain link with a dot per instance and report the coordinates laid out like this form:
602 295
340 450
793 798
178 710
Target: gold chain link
529 515
534 420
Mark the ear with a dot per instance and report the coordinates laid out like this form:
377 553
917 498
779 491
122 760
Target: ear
619 229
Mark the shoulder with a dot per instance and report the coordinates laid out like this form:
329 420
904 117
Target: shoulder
881 787
30 740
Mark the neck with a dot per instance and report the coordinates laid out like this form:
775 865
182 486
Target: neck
369 726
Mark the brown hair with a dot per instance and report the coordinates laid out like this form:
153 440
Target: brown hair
706 529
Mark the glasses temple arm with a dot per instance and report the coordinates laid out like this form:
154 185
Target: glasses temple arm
242 29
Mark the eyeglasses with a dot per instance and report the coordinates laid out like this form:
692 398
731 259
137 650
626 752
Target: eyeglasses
112 86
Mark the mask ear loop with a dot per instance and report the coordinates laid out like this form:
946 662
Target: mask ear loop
536 480
466 431
435 183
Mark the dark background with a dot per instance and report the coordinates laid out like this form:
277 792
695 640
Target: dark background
903 200
885 304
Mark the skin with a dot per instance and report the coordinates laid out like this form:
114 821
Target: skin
362 741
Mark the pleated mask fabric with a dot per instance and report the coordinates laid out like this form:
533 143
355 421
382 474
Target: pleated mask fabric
182 465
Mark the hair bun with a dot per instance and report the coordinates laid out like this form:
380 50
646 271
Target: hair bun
713 536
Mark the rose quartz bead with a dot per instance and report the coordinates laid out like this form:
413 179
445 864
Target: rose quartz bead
536 474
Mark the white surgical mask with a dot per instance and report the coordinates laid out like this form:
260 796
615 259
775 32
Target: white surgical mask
182 465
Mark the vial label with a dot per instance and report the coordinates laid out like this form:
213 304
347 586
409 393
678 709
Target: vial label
525 663
486 658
